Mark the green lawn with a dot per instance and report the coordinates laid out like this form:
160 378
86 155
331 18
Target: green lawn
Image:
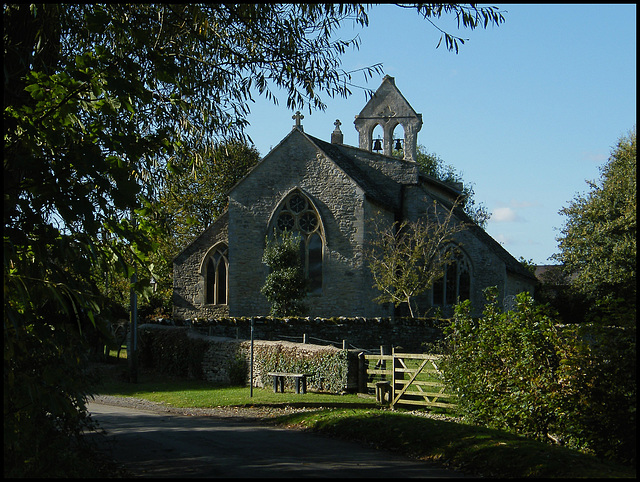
474 450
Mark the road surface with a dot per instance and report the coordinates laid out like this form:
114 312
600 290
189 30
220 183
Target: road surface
156 444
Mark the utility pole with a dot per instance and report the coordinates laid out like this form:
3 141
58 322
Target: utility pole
251 364
132 352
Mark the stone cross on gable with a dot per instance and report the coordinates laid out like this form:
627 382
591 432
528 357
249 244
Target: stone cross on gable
298 116
336 135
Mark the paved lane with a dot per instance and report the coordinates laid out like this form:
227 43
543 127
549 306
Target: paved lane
152 444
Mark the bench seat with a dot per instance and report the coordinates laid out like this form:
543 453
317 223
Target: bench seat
300 380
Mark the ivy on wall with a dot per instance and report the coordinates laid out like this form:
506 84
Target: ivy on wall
329 368
171 351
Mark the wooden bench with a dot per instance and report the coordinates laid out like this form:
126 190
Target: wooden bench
300 379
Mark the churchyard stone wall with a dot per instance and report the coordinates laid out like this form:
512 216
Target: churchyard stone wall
403 334
183 351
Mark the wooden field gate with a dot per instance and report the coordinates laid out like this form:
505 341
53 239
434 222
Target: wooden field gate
411 379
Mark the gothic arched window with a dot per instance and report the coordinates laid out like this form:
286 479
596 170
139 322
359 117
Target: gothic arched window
298 215
216 276
455 284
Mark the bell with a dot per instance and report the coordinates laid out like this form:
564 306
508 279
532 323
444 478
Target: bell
377 145
398 145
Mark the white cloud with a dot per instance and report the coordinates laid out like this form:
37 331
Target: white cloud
504 215
594 157
510 213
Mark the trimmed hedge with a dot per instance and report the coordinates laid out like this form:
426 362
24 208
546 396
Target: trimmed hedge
172 352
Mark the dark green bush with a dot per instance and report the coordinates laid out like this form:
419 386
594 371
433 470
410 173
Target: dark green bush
502 366
597 402
285 286
172 352
238 369
518 371
46 384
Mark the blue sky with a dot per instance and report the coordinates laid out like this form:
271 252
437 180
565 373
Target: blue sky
527 112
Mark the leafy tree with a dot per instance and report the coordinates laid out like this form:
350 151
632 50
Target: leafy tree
100 101
407 257
192 199
598 241
432 165
556 290
285 286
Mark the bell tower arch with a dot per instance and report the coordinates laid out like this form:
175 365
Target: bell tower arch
388 108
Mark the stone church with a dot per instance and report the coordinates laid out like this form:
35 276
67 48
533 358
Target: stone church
329 193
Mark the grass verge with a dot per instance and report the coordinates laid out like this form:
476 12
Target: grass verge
474 450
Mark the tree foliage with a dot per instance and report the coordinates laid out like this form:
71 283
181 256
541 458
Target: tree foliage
285 286
193 198
432 165
598 240
407 257
468 16
501 363
518 370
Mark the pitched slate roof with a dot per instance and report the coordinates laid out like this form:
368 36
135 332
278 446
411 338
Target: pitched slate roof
387 191
383 190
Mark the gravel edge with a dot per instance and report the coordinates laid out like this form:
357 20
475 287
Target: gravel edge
259 413
250 413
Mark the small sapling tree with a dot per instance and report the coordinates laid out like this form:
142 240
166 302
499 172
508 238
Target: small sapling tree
407 257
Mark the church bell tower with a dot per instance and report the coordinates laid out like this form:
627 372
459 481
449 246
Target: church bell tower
388 108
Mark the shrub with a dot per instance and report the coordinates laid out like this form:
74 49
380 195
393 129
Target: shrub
597 377
518 371
170 351
46 383
237 370
285 286
502 365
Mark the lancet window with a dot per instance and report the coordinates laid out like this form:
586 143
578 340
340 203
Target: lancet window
216 276
298 215
455 284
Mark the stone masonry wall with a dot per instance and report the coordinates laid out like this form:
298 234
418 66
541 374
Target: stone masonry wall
403 334
188 281
227 360
340 203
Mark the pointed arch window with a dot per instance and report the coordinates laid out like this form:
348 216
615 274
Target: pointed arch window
216 277
297 214
455 284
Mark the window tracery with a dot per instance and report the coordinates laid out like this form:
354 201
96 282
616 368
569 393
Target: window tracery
216 277
297 214
455 284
